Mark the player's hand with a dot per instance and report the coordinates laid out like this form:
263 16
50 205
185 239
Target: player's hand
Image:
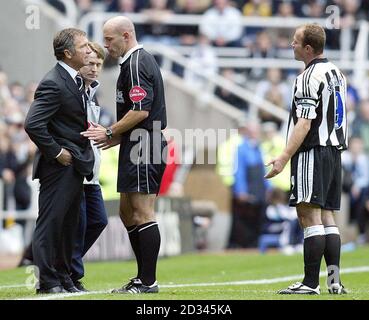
96 132
278 165
65 158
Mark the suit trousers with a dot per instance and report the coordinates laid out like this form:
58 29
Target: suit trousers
92 221
56 226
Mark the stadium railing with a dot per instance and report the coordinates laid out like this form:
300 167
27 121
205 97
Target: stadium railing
353 60
171 56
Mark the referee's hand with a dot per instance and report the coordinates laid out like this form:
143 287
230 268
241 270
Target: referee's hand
95 132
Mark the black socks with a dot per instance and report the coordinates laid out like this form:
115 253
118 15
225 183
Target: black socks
332 253
145 241
314 245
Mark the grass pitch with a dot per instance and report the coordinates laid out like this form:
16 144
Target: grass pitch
205 276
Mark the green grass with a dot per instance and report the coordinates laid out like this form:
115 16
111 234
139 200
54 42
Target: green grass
206 269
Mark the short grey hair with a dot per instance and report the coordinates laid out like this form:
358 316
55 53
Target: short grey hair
64 40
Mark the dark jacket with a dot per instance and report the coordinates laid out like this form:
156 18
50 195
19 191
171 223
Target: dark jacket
55 120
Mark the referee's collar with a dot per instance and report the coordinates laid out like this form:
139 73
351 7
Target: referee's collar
130 51
317 60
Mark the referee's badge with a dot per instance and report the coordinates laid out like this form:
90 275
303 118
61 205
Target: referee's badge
137 94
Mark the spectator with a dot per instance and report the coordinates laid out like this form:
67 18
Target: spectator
259 8
4 89
226 153
249 190
285 9
355 165
281 226
84 6
188 6
202 57
272 145
125 5
17 91
314 8
275 90
187 34
128 6
227 95
360 126
222 24
352 102
261 48
28 96
157 11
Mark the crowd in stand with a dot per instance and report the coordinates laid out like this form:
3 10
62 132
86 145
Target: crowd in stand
16 149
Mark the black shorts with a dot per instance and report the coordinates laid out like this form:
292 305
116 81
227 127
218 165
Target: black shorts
142 161
316 177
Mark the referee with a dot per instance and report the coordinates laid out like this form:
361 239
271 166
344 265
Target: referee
141 116
317 134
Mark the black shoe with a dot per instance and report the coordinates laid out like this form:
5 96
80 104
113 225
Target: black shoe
79 285
135 286
72 289
25 263
53 290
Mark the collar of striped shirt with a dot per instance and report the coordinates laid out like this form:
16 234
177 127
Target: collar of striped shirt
316 60
130 51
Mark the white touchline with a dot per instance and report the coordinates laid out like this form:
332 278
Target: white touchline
62 295
205 284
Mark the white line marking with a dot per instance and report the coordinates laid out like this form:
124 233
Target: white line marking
62 295
13 286
205 284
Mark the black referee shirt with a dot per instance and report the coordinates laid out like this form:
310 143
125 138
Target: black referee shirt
140 87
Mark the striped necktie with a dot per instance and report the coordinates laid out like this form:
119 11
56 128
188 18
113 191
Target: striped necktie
80 83
81 88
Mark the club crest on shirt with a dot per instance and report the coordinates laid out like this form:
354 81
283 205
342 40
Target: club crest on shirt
137 94
119 97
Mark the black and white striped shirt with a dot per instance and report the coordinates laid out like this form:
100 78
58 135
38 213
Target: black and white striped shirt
319 94
140 87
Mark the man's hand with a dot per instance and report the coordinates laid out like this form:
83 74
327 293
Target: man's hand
278 165
65 158
97 133
108 143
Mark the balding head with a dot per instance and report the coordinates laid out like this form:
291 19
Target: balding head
119 24
119 36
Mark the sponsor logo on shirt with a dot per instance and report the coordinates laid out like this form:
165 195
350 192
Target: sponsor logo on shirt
137 94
